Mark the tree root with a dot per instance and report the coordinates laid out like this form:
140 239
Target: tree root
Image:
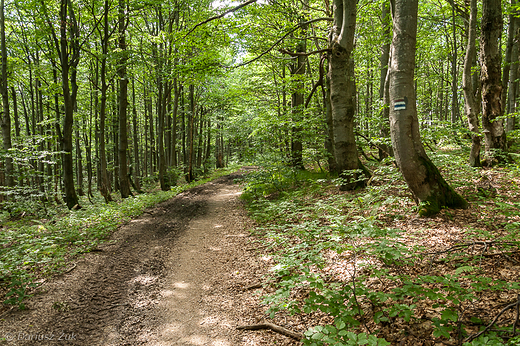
273 327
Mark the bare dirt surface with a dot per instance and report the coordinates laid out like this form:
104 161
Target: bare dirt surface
177 275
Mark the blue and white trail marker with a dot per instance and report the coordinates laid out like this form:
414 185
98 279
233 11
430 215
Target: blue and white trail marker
399 105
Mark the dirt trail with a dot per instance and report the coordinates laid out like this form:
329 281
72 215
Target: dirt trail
174 276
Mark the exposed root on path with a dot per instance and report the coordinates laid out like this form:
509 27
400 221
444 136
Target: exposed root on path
273 327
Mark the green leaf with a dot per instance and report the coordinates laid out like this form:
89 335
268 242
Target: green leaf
449 315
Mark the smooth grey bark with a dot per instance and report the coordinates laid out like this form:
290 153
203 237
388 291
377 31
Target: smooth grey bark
342 93
429 188
491 60
470 98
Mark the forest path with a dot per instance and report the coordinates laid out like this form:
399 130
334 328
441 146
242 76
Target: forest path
174 276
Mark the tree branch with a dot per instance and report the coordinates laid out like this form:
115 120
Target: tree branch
220 16
302 53
281 39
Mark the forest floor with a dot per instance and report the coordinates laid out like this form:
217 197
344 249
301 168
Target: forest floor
183 273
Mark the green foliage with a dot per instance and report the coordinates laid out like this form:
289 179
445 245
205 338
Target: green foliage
301 223
276 178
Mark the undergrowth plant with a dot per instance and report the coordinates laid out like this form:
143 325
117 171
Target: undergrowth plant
300 222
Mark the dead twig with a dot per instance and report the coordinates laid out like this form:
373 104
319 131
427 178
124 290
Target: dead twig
476 335
517 313
486 244
460 258
253 287
71 269
273 327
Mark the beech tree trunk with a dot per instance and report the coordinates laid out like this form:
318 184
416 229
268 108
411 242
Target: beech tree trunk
471 102
6 115
454 73
509 57
512 90
429 188
298 70
69 59
384 60
137 165
191 120
124 184
342 96
495 136
104 184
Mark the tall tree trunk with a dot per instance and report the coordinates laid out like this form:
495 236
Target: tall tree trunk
511 29
137 165
104 182
68 73
115 137
385 149
177 89
513 72
429 188
6 115
190 174
79 164
471 103
200 138
15 113
298 71
161 103
342 93
208 147
124 184
219 144
183 130
454 72
329 140
495 136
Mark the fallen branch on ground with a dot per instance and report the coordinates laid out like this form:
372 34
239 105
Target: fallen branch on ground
273 327
476 335
486 244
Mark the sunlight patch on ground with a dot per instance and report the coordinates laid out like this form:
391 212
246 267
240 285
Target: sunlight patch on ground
181 285
172 328
166 293
232 194
266 258
197 340
145 280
